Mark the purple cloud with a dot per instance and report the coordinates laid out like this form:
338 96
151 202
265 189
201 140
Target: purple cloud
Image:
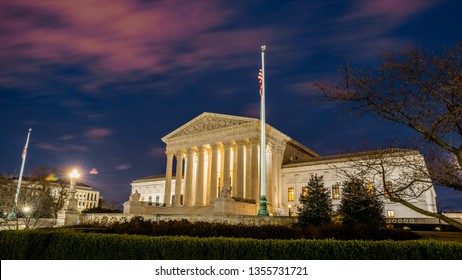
118 37
62 147
93 171
97 133
124 166
66 137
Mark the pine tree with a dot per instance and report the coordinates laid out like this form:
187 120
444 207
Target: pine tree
360 205
316 208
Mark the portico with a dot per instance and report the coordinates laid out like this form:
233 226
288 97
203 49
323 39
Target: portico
218 155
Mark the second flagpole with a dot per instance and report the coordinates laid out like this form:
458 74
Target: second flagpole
263 210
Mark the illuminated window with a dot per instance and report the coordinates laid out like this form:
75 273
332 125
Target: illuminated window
389 190
305 191
291 194
336 191
370 187
390 213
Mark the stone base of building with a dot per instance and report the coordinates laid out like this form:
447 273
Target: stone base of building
227 206
221 206
68 218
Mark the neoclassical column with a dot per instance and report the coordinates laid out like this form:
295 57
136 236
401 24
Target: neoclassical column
209 176
240 182
227 165
281 185
234 169
278 178
222 167
188 198
248 171
275 175
214 173
255 191
200 177
168 179
179 170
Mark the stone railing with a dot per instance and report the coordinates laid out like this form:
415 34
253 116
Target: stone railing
107 218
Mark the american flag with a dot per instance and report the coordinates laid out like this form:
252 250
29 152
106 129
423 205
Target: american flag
260 81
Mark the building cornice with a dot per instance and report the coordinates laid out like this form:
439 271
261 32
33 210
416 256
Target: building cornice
366 155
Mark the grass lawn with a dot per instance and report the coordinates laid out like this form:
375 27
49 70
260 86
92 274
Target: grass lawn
441 235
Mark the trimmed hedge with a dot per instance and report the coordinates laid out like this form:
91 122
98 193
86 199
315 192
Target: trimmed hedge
138 225
46 244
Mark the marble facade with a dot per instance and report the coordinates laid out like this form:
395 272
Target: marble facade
212 167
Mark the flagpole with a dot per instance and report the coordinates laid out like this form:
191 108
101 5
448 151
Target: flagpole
18 189
263 210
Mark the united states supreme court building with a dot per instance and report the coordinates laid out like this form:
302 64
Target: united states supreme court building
212 167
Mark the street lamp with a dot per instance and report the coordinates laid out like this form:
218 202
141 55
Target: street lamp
72 201
26 210
74 175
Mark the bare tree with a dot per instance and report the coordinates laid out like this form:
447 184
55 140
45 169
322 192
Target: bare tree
7 193
40 199
417 88
57 190
33 207
397 175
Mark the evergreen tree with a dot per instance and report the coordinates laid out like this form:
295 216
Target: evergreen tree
360 205
316 208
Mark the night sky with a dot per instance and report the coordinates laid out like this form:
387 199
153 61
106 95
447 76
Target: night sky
101 81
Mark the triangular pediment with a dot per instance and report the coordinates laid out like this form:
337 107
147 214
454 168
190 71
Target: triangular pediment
207 122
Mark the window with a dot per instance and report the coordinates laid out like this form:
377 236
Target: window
305 191
150 200
390 213
370 187
336 191
291 194
389 190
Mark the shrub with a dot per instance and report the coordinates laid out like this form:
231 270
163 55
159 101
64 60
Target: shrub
316 206
58 245
360 205
138 225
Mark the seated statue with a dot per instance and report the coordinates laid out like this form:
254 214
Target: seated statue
225 192
135 197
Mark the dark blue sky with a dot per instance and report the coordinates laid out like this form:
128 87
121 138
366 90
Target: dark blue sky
100 82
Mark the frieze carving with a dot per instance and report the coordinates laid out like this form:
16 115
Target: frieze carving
208 123
304 179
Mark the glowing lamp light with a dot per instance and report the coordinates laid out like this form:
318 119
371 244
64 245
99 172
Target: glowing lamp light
26 209
74 174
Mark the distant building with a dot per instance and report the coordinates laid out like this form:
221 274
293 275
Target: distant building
86 196
217 172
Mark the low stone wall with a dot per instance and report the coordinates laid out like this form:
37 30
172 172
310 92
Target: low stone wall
249 220
221 206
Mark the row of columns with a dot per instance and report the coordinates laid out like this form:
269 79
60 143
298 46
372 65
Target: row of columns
245 173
